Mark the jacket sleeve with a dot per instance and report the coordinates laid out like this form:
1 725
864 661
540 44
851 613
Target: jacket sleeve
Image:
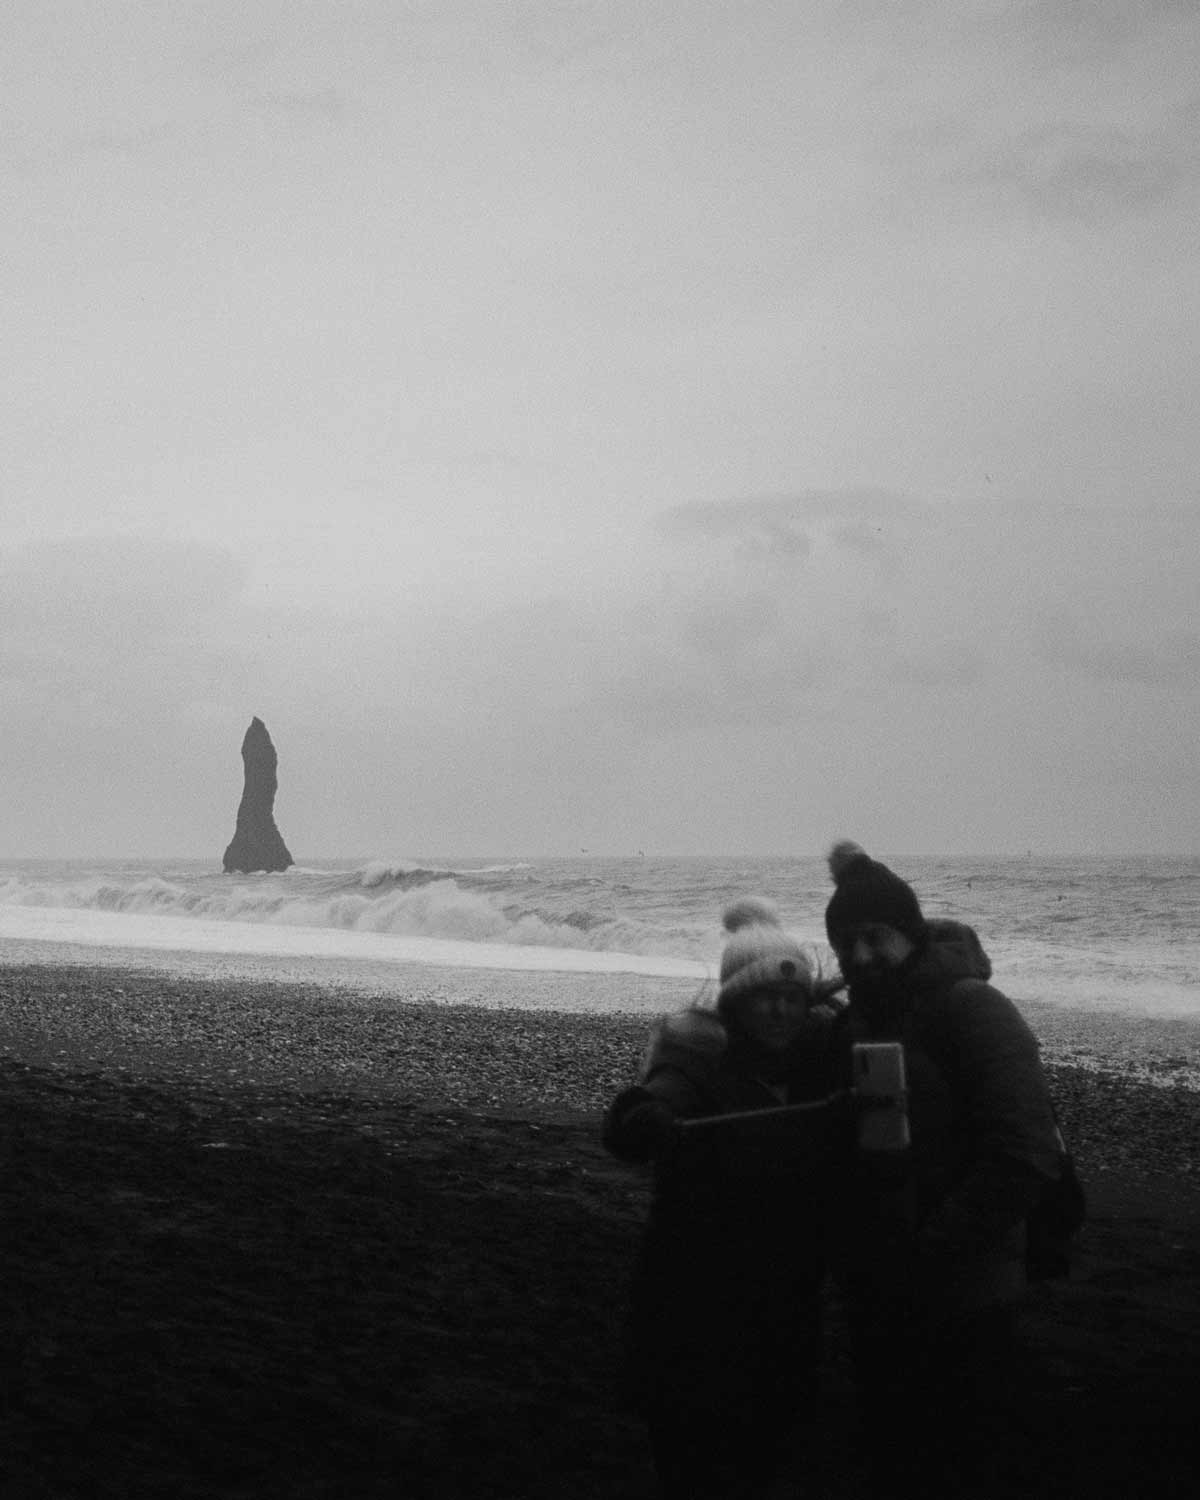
1012 1137
640 1122
675 1081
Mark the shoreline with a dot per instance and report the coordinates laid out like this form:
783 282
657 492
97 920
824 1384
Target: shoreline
1155 1049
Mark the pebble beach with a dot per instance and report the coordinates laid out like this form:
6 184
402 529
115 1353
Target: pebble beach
229 1148
482 1039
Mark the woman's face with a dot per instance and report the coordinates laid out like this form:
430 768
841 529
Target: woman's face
775 1017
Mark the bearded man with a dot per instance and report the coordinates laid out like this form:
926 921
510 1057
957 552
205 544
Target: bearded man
933 1235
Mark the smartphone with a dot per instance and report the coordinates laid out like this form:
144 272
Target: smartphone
880 1087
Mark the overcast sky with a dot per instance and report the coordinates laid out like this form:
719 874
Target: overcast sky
611 424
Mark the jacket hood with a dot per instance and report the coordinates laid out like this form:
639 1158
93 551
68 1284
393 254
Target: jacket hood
953 951
692 1040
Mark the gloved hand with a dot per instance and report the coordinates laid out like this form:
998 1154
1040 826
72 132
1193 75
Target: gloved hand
652 1125
638 1126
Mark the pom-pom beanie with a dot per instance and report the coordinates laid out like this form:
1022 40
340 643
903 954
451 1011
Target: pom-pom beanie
759 954
867 891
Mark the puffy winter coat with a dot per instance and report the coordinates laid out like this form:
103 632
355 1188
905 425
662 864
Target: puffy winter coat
724 1303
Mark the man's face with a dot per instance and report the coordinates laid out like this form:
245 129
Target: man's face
870 951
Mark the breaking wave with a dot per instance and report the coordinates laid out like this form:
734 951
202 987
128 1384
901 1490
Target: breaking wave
1103 934
500 903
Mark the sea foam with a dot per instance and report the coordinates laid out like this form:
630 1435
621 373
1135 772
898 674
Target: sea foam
191 935
491 904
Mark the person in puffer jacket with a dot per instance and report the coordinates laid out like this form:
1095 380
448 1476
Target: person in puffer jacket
931 1242
724 1325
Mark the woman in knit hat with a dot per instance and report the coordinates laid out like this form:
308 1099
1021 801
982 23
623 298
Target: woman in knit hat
724 1326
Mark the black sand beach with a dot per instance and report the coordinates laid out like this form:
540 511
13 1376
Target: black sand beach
267 1239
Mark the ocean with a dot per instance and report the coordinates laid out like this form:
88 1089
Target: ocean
1100 934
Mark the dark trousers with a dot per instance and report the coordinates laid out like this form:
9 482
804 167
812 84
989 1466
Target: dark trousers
723 1373
936 1402
715 1455
728 1436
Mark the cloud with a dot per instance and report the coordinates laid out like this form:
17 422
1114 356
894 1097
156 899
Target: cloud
761 606
130 142
1072 173
620 698
92 589
748 658
1061 169
304 104
238 63
788 527
863 538
949 666
670 689
766 528
897 594
730 613
116 144
1070 113
1169 658
1053 33
563 34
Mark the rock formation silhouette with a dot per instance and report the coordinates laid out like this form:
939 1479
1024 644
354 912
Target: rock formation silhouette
257 843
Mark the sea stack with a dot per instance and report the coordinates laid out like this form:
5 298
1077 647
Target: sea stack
257 843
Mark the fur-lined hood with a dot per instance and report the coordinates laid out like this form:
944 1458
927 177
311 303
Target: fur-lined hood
688 1040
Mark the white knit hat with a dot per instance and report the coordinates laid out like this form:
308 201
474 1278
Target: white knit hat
759 954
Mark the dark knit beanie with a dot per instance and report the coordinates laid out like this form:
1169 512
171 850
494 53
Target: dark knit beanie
867 891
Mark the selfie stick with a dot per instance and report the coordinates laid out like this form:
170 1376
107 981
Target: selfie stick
776 1112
